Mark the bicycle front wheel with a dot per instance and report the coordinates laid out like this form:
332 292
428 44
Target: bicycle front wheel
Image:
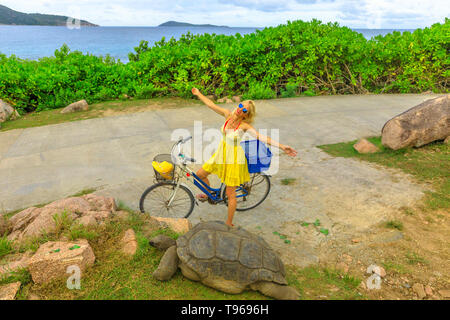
251 194
164 199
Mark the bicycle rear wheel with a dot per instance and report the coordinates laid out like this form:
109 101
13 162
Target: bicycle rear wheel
251 194
155 201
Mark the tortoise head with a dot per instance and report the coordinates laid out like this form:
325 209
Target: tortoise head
162 242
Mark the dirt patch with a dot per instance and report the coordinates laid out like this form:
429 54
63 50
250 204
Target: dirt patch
347 215
120 108
418 254
97 110
413 242
135 109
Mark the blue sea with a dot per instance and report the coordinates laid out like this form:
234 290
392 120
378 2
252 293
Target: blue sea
34 42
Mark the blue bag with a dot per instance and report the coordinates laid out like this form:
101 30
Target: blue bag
258 155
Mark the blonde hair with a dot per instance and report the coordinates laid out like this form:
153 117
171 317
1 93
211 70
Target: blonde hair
251 112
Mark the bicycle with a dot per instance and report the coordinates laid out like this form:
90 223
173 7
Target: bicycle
168 197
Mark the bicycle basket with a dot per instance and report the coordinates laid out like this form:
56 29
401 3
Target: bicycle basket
258 155
164 167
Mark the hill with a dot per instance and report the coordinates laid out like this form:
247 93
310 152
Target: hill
12 17
185 24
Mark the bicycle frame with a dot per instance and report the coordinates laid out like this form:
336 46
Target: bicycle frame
214 194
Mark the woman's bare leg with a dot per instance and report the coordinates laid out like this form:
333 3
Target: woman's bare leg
203 175
231 195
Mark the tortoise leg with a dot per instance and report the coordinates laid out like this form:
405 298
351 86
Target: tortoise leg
277 291
168 265
189 273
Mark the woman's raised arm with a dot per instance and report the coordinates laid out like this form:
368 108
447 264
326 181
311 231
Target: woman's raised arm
287 149
222 111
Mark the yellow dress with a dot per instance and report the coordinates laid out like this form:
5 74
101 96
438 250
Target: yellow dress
229 162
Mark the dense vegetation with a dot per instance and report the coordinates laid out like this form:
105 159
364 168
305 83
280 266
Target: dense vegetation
12 17
306 58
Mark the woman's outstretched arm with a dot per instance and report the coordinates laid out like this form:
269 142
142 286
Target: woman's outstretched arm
222 111
287 149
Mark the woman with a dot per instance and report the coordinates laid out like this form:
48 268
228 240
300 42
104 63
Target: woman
229 162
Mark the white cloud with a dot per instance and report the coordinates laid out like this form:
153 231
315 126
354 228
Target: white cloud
246 13
394 13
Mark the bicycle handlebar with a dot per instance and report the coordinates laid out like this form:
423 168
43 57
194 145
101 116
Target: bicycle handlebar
179 154
185 139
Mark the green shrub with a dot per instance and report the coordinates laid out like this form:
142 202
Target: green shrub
318 58
259 91
289 91
308 93
148 91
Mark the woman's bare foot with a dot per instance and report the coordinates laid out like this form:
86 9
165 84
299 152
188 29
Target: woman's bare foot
229 224
201 197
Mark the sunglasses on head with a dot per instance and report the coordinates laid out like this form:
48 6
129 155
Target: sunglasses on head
242 106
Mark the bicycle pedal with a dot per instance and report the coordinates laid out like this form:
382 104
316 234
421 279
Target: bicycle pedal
202 199
211 201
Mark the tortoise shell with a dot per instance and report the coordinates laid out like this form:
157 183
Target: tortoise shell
214 249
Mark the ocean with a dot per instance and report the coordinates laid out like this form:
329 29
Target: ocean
34 42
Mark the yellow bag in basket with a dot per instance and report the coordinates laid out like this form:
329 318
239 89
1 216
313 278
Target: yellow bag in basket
164 169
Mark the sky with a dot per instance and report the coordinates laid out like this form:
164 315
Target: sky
372 14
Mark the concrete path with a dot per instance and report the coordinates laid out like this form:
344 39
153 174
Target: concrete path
113 154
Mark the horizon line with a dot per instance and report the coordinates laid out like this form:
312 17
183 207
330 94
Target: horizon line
213 26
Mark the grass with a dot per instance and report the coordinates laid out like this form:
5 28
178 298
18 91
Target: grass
395 267
43 118
322 283
123 207
65 227
287 181
84 192
428 164
32 244
21 275
393 224
414 258
63 222
6 247
78 231
407 211
115 276
316 225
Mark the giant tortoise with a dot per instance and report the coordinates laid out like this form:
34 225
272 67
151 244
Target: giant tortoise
229 259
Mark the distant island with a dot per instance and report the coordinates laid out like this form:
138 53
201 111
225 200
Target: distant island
185 24
11 17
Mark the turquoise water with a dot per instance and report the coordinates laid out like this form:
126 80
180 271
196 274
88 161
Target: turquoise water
33 42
